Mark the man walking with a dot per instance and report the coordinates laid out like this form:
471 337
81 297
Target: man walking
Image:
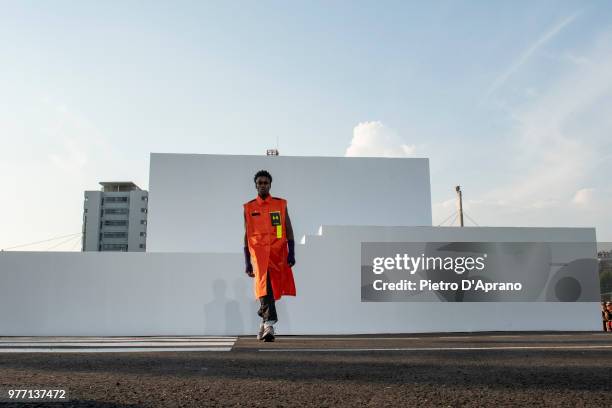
269 251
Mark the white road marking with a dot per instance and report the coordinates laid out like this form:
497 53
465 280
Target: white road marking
458 337
111 350
443 348
504 337
454 337
299 338
112 339
123 344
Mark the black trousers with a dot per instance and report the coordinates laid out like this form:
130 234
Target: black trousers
267 308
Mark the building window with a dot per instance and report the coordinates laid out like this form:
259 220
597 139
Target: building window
143 234
116 211
115 223
144 198
143 222
143 210
86 211
141 246
115 235
115 247
119 199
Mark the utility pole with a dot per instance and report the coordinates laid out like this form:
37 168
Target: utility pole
460 203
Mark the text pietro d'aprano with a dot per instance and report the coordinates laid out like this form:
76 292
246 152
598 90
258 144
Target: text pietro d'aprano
458 265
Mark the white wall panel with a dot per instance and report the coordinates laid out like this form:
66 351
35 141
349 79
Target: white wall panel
195 200
98 293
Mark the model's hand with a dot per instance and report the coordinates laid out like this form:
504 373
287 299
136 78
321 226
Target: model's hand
291 255
249 270
247 261
291 259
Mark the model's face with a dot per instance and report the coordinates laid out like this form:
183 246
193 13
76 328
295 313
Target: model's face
262 184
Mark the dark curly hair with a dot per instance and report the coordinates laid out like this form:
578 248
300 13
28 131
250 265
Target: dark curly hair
262 173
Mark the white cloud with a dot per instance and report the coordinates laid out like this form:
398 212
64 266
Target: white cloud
73 157
576 59
558 143
531 92
524 57
76 141
374 139
56 155
583 197
561 144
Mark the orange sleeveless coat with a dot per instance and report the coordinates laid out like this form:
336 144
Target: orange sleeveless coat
268 245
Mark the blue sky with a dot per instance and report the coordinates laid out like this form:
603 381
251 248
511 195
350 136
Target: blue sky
512 100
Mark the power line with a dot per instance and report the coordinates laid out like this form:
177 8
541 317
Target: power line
453 221
470 218
76 243
62 242
40 242
446 219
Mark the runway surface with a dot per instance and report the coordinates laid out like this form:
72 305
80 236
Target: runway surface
506 369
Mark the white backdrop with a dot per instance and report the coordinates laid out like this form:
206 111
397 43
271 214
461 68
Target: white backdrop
195 200
137 294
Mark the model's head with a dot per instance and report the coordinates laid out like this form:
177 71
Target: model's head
263 182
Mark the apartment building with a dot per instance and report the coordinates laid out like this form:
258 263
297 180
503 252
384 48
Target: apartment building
115 218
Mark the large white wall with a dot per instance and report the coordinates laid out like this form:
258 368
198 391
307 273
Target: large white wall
195 200
333 296
102 293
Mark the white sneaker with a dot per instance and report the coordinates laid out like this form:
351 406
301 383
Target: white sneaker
268 334
261 331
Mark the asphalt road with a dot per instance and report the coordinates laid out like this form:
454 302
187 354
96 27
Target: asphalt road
504 369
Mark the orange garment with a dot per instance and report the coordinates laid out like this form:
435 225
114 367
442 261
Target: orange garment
268 245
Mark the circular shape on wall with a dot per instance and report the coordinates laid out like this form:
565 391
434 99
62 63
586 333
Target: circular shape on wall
568 289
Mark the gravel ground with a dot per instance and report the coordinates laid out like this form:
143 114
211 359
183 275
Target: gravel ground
508 369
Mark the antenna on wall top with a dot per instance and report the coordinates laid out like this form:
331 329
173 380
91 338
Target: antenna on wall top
273 152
